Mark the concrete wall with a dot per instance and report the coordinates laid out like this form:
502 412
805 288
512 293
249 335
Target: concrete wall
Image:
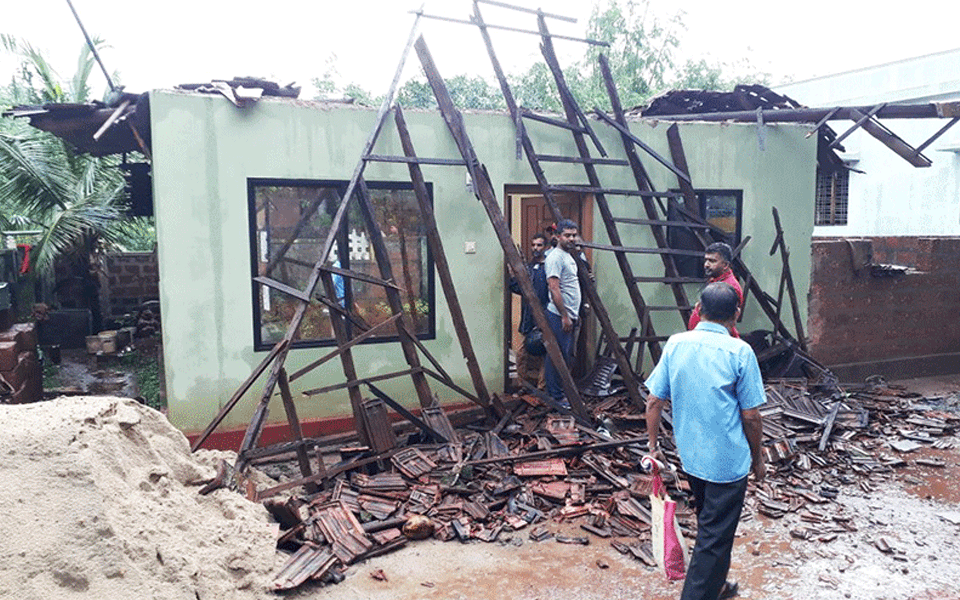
205 149
898 327
892 197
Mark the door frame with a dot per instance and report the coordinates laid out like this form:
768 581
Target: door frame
515 225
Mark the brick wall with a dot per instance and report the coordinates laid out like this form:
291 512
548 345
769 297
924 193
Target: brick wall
127 280
883 322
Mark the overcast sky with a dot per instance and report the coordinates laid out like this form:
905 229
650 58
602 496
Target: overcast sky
155 44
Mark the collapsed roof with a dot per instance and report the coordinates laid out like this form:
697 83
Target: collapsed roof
123 125
744 98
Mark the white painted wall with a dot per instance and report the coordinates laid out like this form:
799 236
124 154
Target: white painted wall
892 197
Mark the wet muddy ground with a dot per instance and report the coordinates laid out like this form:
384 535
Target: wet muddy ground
909 515
90 375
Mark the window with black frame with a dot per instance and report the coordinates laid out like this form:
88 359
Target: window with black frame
289 224
721 208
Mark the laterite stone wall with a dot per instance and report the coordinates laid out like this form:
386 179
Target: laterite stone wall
901 326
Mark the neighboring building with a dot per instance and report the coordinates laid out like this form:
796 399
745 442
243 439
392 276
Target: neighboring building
890 197
871 320
229 182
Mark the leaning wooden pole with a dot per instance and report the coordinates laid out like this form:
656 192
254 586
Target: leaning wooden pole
394 300
254 429
485 193
441 264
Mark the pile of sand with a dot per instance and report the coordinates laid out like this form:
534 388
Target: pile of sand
98 498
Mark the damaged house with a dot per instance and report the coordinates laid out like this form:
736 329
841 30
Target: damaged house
229 183
350 267
247 181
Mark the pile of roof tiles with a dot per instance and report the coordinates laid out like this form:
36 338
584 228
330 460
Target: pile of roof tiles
538 468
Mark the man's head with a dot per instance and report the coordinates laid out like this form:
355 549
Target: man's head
716 259
719 303
567 234
538 245
551 232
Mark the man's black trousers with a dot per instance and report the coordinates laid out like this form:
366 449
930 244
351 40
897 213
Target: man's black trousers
718 507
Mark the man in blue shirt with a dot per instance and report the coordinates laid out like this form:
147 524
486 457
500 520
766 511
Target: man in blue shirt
713 382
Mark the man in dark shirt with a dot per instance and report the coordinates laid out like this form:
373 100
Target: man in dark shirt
530 366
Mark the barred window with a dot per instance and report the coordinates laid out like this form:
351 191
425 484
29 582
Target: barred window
832 197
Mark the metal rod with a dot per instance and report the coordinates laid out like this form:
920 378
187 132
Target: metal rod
932 110
857 125
942 131
514 29
533 11
93 48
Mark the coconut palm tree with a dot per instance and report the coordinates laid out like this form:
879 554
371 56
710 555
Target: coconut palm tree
74 199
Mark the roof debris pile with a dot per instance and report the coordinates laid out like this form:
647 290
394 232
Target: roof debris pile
528 473
821 442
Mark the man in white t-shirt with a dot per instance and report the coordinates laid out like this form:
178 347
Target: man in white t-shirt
564 305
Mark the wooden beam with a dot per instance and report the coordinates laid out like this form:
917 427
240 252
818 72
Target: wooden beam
856 126
379 327
362 381
892 141
934 110
625 132
483 188
294 423
394 300
225 410
441 265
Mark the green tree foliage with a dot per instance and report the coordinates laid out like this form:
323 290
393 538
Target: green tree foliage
74 199
642 54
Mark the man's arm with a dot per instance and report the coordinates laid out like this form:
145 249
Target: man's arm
654 410
553 283
753 428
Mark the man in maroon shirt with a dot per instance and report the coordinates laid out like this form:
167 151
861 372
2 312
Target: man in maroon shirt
716 266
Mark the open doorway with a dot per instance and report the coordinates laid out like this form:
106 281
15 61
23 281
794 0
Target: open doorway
528 214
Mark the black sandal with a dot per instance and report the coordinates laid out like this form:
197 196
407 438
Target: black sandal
729 589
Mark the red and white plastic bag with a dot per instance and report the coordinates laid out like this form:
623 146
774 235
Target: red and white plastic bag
669 548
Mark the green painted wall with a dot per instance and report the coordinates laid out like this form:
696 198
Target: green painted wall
204 149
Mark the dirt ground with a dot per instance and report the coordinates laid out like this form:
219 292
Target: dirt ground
769 563
119 463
